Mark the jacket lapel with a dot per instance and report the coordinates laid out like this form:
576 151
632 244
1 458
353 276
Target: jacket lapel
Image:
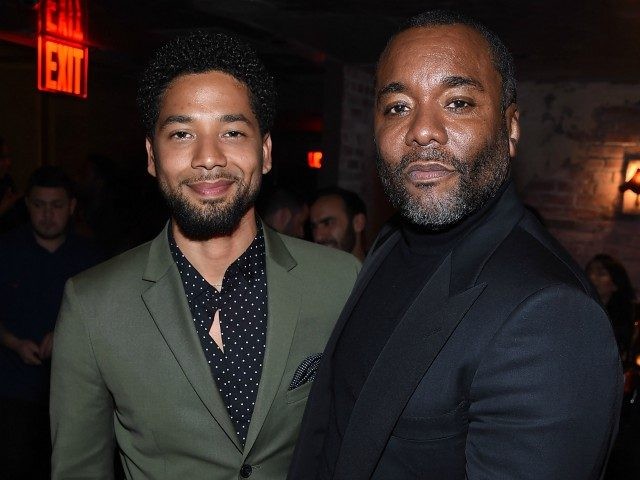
284 298
369 268
411 349
166 301
420 335
317 412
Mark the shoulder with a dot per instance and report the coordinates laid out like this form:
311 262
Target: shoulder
533 285
18 250
532 282
317 266
319 258
530 258
18 238
118 272
318 255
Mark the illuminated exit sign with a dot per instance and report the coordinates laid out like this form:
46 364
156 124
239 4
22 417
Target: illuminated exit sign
63 57
314 159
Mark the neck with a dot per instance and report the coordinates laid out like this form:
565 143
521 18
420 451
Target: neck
606 298
50 244
358 250
213 256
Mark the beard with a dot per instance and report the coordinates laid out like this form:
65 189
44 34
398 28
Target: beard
345 242
48 231
209 218
480 178
348 240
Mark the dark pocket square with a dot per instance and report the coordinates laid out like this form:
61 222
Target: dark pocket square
306 372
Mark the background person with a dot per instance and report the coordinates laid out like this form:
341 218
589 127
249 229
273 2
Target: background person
285 212
617 294
338 219
35 262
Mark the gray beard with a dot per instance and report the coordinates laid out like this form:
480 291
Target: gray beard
479 181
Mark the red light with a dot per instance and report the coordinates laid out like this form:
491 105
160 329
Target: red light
63 19
62 67
314 159
63 58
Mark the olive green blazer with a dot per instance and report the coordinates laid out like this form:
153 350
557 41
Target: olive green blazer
128 367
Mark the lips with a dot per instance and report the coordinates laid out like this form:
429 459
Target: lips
427 172
212 188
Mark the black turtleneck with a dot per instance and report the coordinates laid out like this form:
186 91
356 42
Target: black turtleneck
393 287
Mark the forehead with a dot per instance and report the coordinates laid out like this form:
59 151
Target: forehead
597 266
48 194
328 205
423 53
204 89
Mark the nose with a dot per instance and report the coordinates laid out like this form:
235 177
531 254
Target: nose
47 211
320 233
426 127
208 154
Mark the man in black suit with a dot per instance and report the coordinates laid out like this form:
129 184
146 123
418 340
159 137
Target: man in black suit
472 345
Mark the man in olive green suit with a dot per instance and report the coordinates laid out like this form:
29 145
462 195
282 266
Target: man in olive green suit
196 351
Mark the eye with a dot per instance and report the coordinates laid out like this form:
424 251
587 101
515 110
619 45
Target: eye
234 134
180 135
459 105
396 109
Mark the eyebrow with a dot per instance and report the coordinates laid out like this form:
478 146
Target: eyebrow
393 87
451 81
227 118
175 119
459 81
326 219
230 118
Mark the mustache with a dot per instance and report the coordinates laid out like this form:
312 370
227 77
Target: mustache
431 155
210 177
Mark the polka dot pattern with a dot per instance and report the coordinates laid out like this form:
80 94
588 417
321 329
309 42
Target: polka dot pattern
242 302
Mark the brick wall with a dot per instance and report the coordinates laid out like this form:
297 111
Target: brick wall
356 145
357 152
571 161
575 138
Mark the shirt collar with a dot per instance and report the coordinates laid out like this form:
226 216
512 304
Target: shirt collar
255 254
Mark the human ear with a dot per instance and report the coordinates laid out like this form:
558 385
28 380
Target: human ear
512 117
359 222
266 153
151 161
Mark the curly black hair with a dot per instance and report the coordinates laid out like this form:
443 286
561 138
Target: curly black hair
199 52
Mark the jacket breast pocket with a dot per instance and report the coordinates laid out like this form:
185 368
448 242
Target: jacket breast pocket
431 428
297 394
430 447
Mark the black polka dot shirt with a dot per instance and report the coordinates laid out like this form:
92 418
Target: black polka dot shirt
242 302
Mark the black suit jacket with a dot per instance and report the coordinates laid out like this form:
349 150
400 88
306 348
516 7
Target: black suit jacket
503 367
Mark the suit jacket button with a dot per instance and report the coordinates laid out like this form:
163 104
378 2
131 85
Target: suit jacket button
245 471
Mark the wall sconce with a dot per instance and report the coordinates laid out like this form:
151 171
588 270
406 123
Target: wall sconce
631 189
